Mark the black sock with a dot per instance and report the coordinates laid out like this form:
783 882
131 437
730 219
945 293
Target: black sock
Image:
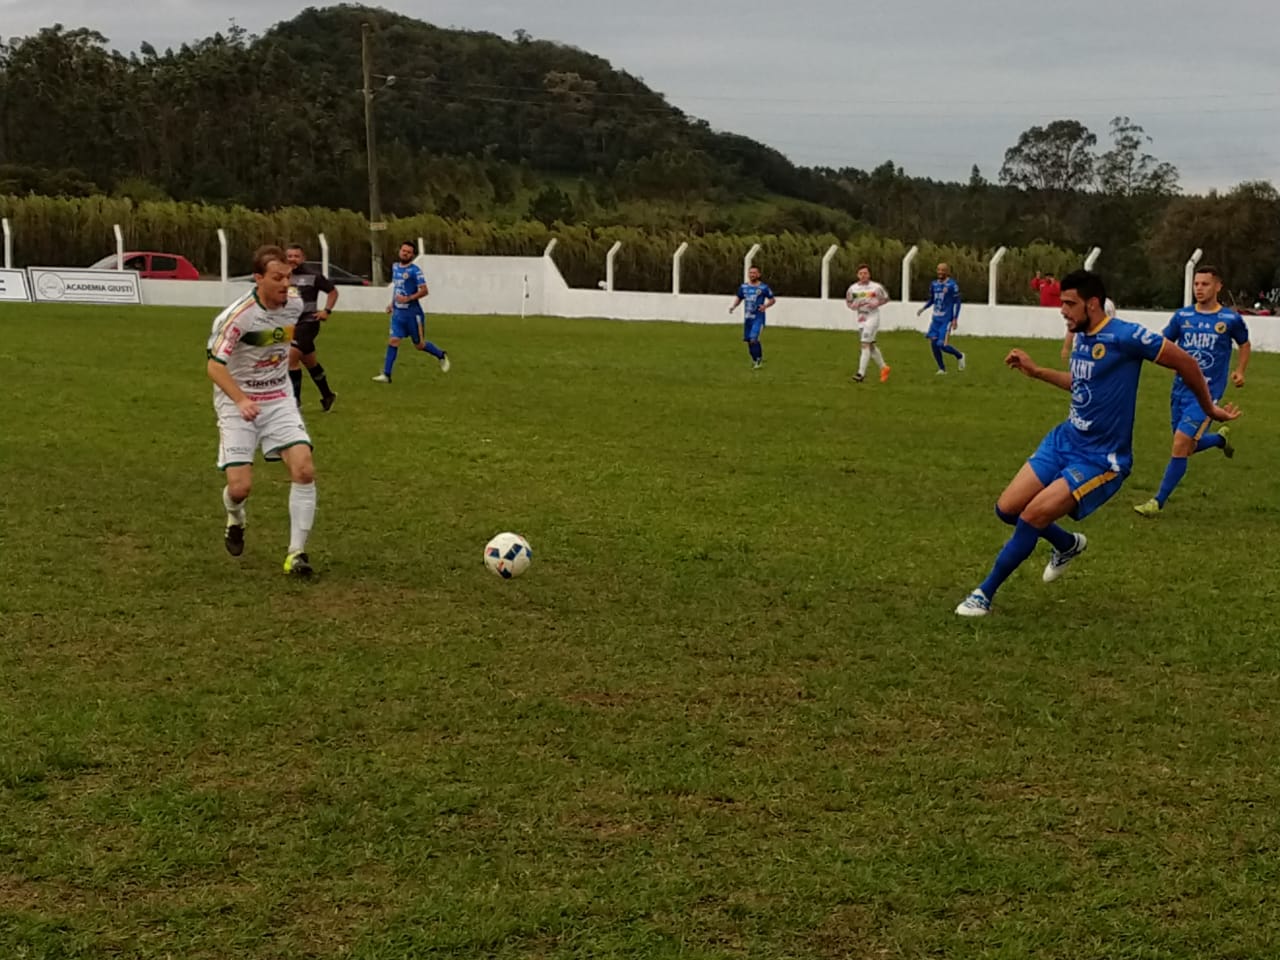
318 377
296 377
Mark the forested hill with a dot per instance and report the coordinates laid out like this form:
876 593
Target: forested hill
278 119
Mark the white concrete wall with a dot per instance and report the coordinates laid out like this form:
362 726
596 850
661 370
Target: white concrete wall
494 285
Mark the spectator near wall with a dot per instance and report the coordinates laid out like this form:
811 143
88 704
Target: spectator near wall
1049 289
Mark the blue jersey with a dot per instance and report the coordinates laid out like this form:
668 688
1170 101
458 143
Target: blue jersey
1105 366
753 297
405 282
1207 337
945 295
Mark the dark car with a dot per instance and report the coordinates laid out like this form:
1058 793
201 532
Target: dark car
339 276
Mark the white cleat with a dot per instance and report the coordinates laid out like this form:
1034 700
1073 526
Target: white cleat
1057 564
382 378
941 373
975 604
444 363
960 363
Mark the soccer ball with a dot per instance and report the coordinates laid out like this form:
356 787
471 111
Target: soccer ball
508 555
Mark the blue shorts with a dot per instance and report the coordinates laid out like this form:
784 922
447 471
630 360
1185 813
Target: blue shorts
1093 480
939 329
752 327
405 325
1187 416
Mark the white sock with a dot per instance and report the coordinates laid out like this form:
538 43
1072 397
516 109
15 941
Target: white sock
878 357
862 363
302 514
234 510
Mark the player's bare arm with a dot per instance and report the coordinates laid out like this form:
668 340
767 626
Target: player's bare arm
223 380
1019 360
1242 364
1185 365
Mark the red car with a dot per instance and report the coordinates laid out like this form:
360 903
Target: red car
153 266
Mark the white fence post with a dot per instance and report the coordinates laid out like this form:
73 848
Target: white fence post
551 245
222 254
324 254
746 261
993 275
119 246
8 243
1188 277
422 246
906 273
608 264
826 270
1092 258
524 296
675 266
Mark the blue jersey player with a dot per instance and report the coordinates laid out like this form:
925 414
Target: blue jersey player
944 298
1206 331
408 289
1083 461
756 297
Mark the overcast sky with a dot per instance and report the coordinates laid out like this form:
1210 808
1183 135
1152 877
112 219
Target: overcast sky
936 86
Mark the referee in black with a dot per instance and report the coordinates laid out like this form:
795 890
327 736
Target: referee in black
310 284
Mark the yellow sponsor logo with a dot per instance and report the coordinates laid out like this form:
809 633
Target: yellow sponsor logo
1220 327
1099 351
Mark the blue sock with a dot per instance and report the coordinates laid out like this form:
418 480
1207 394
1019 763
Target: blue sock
937 354
1211 440
432 349
1020 546
390 362
1173 475
1010 518
1059 538
948 348
757 351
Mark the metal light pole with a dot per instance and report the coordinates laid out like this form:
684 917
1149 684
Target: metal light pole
376 224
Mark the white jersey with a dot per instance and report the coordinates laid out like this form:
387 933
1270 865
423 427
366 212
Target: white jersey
253 343
861 295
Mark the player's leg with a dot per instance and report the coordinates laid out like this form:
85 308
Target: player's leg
754 328
295 371
946 347
305 344
302 507
396 334
425 345
935 337
285 438
1189 424
869 334
237 444
864 357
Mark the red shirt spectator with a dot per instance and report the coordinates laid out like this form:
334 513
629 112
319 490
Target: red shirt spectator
1049 289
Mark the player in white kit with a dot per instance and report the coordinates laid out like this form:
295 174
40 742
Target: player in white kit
248 363
865 298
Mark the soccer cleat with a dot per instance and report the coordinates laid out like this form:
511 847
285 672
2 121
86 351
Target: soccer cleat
1151 509
444 362
975 604
1057 564
382 378
297 565
326 402
757 364
1228 450
884 374
941 373
234 537
960 363
857 378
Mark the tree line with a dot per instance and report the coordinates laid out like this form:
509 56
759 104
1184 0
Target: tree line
475 127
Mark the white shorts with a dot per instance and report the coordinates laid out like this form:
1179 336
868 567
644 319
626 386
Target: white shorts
278 426
869 328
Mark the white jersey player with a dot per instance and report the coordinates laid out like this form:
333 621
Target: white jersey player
248 353
865 298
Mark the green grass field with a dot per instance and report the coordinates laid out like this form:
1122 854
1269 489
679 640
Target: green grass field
728 712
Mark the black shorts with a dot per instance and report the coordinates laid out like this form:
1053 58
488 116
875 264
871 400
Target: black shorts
304 336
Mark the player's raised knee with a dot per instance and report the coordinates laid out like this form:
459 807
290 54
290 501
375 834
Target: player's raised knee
239 488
